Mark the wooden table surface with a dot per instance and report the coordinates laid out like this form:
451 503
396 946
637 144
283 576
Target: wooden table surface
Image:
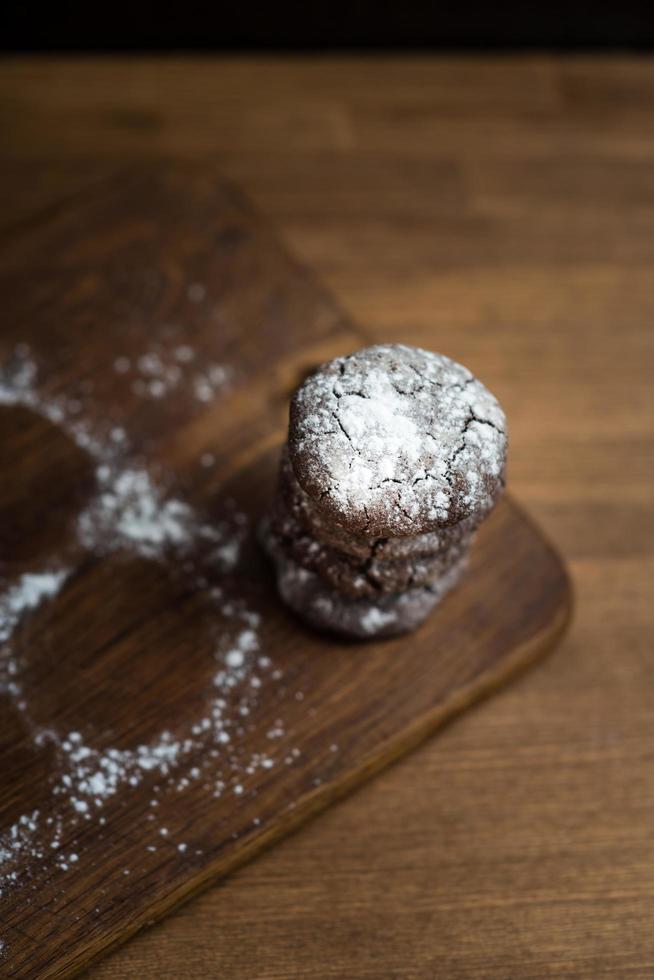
501 211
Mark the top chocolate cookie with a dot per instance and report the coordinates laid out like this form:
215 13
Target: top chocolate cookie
395 440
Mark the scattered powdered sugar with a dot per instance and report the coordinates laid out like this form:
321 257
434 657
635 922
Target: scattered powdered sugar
28 592
17 387
17 378
131 511
374 619
163 369
235 658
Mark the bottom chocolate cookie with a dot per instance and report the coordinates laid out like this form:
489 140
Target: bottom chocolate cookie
388 615
284 537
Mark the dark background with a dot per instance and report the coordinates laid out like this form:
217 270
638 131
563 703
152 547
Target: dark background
288 25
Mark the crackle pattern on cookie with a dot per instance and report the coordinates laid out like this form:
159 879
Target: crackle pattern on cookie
291 499
396 440
387 615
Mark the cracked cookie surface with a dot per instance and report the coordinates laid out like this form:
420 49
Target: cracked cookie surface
355 578
396 440
291 499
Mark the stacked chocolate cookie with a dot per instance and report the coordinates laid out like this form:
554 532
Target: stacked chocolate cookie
394 457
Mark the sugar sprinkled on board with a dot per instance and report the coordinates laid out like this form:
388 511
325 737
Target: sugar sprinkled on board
31 589
184 354
132 512
161 370
28 592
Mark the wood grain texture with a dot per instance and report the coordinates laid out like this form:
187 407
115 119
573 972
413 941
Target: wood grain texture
127 655
500 210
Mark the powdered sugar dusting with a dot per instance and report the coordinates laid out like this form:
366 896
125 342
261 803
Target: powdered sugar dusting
28 592
397 440
163 369
374 619
131 511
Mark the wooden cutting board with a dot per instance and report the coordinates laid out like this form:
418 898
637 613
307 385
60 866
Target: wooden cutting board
162 716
